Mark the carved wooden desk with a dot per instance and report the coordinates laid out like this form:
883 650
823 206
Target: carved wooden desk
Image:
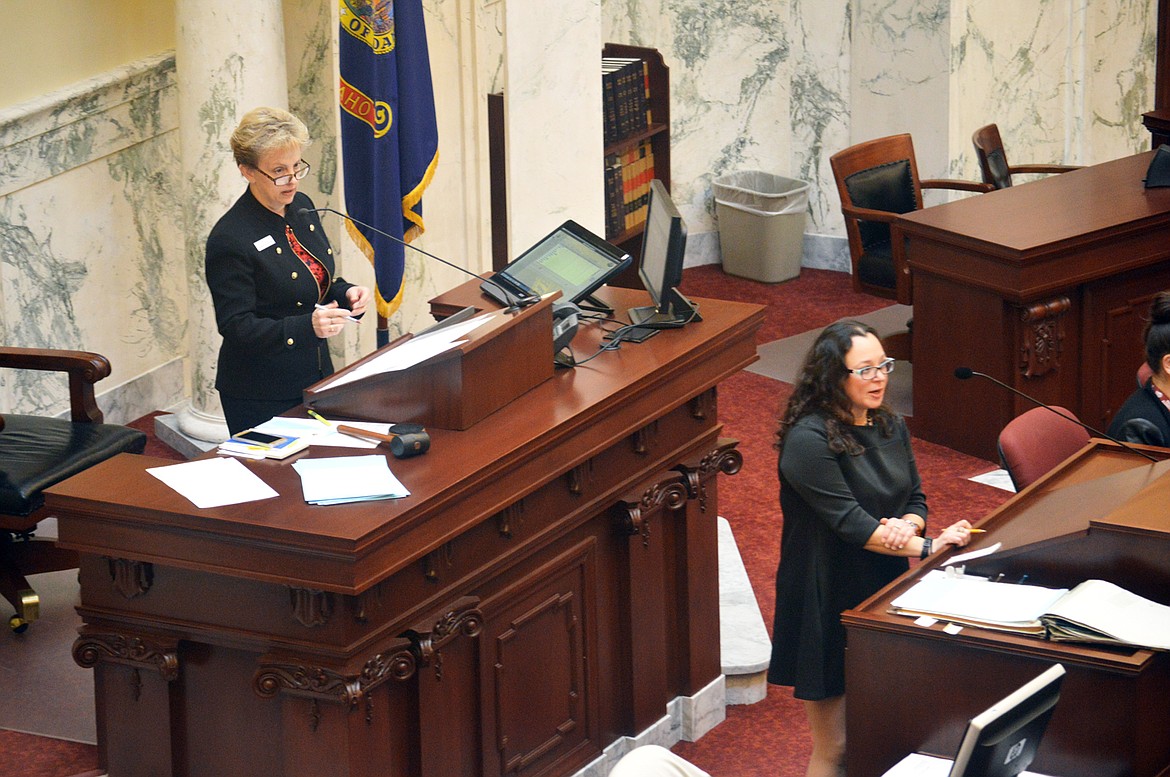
549 586
1044 286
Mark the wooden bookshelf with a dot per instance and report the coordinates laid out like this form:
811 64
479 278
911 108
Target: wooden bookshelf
657 133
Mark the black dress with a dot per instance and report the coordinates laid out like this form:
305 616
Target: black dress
832 503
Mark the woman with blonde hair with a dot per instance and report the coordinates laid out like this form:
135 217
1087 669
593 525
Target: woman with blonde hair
270 270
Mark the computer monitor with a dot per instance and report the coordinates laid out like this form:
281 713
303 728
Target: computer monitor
570 259
1002 740
664 244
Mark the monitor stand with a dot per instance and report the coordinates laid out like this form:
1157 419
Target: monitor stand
649 316
680 311
591 303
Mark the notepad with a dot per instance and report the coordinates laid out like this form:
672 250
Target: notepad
1095 611
341 479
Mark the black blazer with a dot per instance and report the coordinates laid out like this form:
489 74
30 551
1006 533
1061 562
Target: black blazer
1142 404
264 297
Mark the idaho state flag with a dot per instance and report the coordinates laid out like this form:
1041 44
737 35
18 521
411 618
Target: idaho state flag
389 141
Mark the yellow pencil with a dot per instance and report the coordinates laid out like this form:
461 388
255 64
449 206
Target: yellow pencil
978 531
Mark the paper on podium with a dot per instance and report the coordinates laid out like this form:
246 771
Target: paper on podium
976 601
1094 611
326 433
414 351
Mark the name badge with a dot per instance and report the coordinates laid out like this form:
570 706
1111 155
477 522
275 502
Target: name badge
265 242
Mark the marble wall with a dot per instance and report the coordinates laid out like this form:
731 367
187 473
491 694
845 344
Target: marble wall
781 86
90 237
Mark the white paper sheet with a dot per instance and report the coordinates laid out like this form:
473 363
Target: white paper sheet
413 351
324 433
919 765
963 558
214 482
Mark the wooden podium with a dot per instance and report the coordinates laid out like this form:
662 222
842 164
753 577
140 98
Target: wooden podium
499 361
1101 515
549 587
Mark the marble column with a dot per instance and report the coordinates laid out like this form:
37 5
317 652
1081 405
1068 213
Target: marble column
553 117
230 58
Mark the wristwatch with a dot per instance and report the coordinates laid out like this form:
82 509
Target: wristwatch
927 547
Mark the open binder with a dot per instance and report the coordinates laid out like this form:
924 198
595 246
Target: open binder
1094 611
498 361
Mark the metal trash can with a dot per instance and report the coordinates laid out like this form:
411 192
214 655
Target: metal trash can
761 224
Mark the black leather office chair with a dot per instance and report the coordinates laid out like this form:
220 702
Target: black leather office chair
37 452
877 181
993 164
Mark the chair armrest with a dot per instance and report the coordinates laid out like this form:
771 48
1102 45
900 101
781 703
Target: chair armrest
869 214
950 183
1042 168
84 368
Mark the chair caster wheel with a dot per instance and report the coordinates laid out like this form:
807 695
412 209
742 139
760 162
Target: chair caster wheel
18 624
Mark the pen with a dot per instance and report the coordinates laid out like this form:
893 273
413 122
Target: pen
319 417
319 306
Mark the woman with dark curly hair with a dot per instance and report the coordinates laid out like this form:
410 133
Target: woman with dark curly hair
1145 416
854 512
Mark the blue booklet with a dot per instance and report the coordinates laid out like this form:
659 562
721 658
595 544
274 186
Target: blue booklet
251 444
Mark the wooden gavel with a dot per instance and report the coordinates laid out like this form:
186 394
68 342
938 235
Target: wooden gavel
412 440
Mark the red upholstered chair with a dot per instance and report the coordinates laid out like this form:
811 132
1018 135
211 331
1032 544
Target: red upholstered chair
37 452
1034 442
993 162
1144 374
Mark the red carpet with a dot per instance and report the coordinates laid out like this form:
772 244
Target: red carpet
768 739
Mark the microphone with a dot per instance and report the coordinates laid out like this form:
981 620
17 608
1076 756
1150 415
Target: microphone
965 373
515 302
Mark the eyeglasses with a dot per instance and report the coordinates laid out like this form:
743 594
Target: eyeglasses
871 372
299 172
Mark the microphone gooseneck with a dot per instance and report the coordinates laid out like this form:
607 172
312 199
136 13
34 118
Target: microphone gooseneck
515 303
965 373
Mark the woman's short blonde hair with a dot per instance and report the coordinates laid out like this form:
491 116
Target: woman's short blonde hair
267 129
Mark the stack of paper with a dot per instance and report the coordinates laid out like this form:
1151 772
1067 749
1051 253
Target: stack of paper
1094 611
977 601
341 479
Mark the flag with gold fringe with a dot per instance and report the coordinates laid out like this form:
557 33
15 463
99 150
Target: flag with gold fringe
389 140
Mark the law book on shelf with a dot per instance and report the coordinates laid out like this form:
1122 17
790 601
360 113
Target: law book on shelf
623 93
637 172
614 210
609 100
1095 611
